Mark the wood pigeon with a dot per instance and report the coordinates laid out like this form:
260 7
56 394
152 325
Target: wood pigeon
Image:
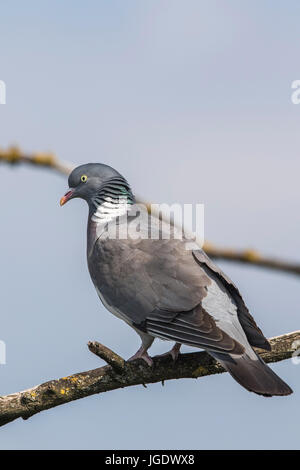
161 288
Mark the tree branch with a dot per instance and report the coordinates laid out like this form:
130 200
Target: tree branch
251 257
14 156
48 160
125 374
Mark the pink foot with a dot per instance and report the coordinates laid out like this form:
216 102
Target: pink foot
174 352
142 354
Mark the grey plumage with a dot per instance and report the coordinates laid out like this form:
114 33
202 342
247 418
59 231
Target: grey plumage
163 290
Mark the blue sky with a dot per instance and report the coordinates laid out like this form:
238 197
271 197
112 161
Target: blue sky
191 102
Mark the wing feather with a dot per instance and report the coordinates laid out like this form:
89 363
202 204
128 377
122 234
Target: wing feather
192 329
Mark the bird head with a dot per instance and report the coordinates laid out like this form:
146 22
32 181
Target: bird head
94 182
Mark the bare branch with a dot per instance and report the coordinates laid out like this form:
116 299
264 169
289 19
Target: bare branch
251 257
14 156
115 361
57 392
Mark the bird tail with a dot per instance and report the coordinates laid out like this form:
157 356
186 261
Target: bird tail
253 374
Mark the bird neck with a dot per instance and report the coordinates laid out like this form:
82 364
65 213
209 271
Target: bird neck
113 200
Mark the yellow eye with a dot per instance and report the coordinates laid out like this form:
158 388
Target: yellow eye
84 178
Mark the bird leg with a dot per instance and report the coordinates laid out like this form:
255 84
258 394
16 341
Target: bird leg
147 340
142 354
174 352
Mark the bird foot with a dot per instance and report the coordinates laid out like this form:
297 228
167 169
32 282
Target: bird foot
174 352
142 354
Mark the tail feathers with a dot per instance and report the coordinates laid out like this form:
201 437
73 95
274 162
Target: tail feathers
253 374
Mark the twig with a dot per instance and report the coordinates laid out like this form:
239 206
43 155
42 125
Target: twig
14 156
57 392
115 361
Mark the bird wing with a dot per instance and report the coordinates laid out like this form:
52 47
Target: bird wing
195 328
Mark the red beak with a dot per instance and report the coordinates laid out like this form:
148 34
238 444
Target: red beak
66 197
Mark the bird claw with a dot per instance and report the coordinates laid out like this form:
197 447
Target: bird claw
142 355
174 352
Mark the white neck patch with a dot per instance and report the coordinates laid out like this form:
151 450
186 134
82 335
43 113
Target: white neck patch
109 209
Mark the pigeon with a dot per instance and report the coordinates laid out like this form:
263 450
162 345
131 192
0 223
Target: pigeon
162 289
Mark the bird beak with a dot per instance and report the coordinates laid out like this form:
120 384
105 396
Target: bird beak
67 197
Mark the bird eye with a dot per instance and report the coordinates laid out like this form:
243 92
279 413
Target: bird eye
84 178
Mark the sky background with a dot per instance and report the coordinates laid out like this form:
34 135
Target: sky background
191 101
